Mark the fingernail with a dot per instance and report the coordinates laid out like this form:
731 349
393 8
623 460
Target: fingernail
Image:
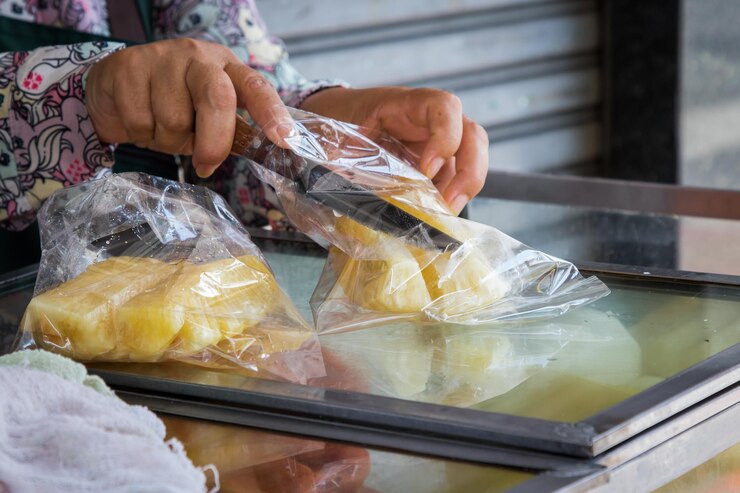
205 171
459 202
434 166
286 130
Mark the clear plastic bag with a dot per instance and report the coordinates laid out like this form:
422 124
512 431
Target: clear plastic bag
141 269
376 274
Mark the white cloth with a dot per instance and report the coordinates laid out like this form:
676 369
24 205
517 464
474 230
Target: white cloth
57 435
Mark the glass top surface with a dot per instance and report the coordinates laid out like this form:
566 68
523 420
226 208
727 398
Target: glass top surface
695 244
250 460
564 369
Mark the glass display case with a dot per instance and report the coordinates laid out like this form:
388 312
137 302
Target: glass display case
645 379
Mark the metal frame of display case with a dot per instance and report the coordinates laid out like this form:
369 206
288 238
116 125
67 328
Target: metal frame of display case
668 449
663 451
603 193
449 432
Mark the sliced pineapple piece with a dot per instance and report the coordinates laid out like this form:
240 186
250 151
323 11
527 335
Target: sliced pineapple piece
147 324
426 205
196 334
75 318
139 308
387 278
460 282
384 274
279 340
232 294
201 305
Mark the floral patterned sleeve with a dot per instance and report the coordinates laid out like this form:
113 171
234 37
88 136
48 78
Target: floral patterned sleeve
46 138
237 24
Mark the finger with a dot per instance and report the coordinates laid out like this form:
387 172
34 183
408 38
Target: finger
214 100
471 167
256 95
425 115
445 123
132 96
445 176
172 108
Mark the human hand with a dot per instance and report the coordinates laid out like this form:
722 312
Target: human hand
453 149
180 97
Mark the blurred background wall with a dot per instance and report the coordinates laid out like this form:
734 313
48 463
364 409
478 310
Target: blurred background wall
527 70
710 93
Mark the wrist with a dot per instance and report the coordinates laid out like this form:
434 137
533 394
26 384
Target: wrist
331 102
91 99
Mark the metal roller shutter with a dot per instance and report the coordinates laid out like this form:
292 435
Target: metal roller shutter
527 70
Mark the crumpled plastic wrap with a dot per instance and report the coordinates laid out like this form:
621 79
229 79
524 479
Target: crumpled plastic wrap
375 277
142 269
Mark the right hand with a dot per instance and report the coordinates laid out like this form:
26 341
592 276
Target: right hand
180 97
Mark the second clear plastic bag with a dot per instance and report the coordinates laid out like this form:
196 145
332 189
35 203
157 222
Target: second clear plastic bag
385 224
141 269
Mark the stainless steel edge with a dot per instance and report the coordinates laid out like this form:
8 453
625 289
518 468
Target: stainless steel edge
666 452
664 400
396 440
674 457
667 430
657 274
602 193
552 483
469 426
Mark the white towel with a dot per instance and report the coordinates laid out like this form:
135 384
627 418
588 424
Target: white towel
59 435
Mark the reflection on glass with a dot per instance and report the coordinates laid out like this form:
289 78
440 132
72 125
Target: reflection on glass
617 237
564 369
256 461
721 474
622 345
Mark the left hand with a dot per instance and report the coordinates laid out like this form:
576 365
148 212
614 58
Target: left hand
453 149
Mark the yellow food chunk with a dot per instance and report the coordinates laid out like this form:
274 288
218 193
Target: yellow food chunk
147 325
387 278
425 204
460 282
138 309
279 340
75 318
201 305
385 273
